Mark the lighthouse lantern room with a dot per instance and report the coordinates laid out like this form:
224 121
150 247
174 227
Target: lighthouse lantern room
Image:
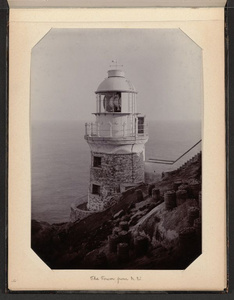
117 141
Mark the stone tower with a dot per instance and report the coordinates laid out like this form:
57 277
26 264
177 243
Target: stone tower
117 141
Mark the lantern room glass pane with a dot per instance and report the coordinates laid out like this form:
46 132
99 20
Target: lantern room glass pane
112 102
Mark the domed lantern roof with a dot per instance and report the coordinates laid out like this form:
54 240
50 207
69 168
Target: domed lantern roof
116 82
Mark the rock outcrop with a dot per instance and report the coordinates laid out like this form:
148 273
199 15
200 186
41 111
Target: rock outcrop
155 226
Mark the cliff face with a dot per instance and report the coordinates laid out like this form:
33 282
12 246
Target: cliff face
151 227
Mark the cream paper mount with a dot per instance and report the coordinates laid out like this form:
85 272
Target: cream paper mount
26 271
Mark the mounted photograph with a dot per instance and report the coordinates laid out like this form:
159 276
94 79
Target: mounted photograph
116 126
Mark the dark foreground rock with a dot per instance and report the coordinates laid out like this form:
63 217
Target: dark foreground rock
139 232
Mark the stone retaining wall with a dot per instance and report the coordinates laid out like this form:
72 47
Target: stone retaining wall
78 214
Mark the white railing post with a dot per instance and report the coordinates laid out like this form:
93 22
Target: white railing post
86 129
98 129
111 129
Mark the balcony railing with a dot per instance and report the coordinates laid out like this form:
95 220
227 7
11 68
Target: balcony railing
110 130
156 165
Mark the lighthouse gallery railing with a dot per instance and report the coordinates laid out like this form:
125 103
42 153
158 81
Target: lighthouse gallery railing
95 130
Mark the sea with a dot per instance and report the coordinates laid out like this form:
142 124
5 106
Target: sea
60 161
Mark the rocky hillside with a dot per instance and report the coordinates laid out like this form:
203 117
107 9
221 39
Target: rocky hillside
154 226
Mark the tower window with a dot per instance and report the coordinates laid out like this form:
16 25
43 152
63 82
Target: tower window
97 161
96 189
141 125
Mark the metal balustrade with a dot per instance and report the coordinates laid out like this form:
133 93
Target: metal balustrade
172 162
162 165
96 130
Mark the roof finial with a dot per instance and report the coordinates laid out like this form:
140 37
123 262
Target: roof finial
115 65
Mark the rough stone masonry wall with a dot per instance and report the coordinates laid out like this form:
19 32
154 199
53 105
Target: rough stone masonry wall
78 214
95 202
99 203
114 170
118 168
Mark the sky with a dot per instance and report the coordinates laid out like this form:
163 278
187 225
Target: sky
164 65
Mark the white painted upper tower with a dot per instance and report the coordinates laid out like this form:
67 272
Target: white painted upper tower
116 139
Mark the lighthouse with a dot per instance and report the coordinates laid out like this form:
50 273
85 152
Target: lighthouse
116 139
